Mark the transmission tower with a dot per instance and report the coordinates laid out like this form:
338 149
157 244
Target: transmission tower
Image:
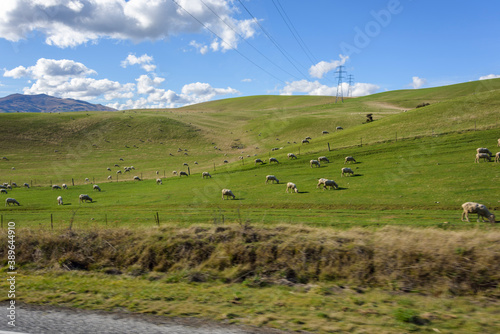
340 76
350 81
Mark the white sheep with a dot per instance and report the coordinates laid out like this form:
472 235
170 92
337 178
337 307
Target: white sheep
55 186
305 141
59 200
307 138
118 172
291 156
109 169
331 184
183 173
110 177
480 209
314 163
3 191
157 172
323 159
206 175
87 179
185 164
137 178
497 157
484 156
273 160
292 187
96 187
9 201
349 159
258 161
158 181
13 184
84 198
484 150
321 182
339 128
272 178
324 132
346 170
26 185
227 192
174 172
65 186
225 161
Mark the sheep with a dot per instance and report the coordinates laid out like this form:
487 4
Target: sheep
55 186
65 186
480 209
324 132
9 201
258 160
59 200
110 177
137 178
305 141
9 187
346 170
291 156
273 160
482 156
227 192
183 173
3 191
206 175
158 181
174 172
157 172
321 182
185 164
109 169
225 161
484 150
84 198
292 187
13 184
331 184
272 178
26 185
118 172
116 165
323 159
87 180
96 187
497 157
349 159
307 138
314 163
339 128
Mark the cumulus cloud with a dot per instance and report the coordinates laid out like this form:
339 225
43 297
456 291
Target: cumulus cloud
323 67
316 88
417 82
489 76
70 23
144 61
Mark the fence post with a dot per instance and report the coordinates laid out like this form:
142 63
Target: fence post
51 222
189 173
328 147
73 181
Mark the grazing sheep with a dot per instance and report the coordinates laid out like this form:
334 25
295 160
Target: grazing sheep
26 185
339 128
273 160
497 157
109 169
480 209
157 172
349 159
96 187
307 138
346 170
185 164
174 172
324 132
13 184
55 186
137 178
206 175
225 161
331 184
87 179
321 182
9 201
183 173
9 187
258 160
484 150
59 200
291 156
314 163
118 172
272 178
84 198
292 187
484 156
110 177
65 186
158 181
227 192
3 191
323 159
305 141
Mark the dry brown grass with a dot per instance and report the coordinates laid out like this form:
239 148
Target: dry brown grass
398 258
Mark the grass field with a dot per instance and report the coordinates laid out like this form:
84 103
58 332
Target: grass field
415 167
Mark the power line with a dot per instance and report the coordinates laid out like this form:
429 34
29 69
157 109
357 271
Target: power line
339 73
350 81
241 54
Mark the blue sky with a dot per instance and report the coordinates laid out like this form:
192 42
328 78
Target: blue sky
166 53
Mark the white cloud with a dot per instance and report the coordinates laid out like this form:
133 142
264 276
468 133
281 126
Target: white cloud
246 80
417 82
323 67
489 76
144 61
70 23
316 88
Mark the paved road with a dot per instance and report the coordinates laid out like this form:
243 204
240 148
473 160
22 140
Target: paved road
41 319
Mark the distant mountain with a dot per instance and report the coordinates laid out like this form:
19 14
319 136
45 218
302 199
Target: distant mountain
46 103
